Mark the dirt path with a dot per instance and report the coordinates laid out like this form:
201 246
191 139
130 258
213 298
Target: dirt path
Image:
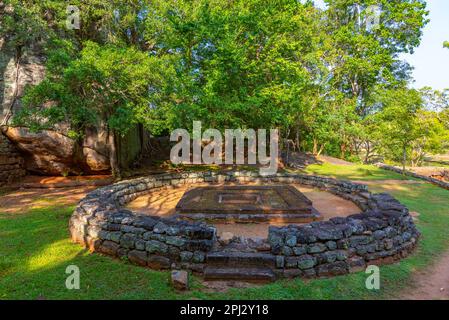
38 182
21 201
430 284
336 161
388 182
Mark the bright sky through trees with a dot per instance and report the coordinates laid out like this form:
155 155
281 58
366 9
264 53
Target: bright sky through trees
430 60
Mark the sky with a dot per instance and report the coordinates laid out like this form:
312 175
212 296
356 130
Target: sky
430 60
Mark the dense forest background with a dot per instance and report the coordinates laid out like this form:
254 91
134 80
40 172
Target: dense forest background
327 78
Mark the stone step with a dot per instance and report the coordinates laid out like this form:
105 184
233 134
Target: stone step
241 259
239 274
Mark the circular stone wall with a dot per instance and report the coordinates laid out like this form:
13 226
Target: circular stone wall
382 233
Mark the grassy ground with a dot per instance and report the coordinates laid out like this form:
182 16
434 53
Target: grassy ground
35 250
354 172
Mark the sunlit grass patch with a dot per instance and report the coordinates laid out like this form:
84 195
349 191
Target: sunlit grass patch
354 172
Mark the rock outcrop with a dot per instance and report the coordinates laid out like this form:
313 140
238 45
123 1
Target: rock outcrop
52 153
16 74
46 152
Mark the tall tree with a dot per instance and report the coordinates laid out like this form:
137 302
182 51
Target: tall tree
366 53
240 63
398 122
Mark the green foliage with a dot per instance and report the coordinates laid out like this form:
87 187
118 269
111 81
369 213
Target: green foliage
321 76
365 58
105 83
23 25
404 129
239 65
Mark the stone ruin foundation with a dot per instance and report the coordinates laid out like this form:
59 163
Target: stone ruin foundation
382 233
246 204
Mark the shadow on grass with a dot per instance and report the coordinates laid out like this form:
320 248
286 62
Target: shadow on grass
36 251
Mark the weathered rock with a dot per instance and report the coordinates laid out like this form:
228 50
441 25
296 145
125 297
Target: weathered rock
291 262
246 274
138 257
316 248
122 253
158 262
49 152
128 240
226 238
180 279
300 250
290 240
331 245
306 262
115 236
140 245
292 273
31 71
160 227
186 256
153 246
332 269
360 240
198 257
202 245
109 248
145 222
280 262
175 241
356 264
259 244
287 251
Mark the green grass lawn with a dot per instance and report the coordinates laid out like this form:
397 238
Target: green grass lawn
354 172
35 250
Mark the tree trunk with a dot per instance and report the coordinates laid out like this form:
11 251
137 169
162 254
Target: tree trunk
315 147
297 140
342 150
113 154
367 152
404 158
321 150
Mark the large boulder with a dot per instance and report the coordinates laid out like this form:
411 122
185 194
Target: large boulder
15 77
95 149
52 153
180 279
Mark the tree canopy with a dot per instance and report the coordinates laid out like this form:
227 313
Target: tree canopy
329 79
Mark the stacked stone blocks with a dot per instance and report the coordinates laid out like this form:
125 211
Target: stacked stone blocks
11 163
